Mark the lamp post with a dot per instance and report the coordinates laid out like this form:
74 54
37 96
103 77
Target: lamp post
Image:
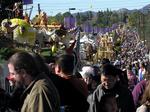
71 18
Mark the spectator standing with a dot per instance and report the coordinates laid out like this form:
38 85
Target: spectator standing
145 103
142 71
89 75
140 88
73 91
109 85
132 79
40 94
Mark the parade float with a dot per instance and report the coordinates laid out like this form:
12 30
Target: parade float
105 48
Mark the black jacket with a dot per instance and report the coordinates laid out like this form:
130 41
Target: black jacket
71 98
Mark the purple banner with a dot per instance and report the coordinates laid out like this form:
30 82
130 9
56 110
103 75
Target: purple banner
87 28
25 2
69 22
114 26
96 29
102 30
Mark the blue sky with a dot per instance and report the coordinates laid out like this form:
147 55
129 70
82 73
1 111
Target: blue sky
52 7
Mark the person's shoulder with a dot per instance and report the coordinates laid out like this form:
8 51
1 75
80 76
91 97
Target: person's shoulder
42 81
141 84
96 95
98 91
122 89
99 87
142 108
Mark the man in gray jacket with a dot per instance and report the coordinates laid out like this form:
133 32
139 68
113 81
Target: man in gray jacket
110 85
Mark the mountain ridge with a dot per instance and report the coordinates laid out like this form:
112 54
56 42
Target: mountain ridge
143 10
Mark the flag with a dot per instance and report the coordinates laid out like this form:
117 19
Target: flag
25 2
87 28
69 22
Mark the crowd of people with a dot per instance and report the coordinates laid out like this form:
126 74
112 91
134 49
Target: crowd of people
41 86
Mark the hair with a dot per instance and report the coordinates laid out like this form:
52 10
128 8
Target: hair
105 61
109 69
146 95
143 65
147 74
66 62
24 61
129 67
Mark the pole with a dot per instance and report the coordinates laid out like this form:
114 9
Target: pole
30 12
77 50
143 28
39 9
78 42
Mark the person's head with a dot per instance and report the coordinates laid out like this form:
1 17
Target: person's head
109 76
87 73
105 61
108 103
147 74
146 95
129 69
142 65
23 67
65 64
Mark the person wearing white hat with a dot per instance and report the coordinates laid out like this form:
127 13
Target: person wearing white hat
88 74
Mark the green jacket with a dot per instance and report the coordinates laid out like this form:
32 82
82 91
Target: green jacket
41 96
